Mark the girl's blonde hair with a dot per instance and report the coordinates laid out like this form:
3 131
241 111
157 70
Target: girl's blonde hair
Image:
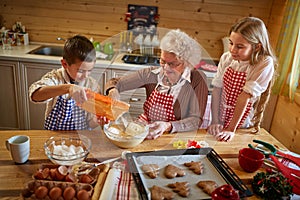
255 32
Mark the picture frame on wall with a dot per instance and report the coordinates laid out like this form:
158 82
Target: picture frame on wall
142 19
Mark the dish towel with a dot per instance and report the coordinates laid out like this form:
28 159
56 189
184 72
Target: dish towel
293 166
119 185
126 188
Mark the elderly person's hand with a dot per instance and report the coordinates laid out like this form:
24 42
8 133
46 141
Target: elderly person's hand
141 121
78 93
114 94
156 129
225 136
214 129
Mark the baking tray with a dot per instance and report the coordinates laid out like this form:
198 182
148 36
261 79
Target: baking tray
140 59
214 169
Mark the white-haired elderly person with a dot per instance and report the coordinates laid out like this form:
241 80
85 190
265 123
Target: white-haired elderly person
176 92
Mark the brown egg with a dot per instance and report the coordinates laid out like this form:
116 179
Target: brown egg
71 178
69 193
46 172
52 173
58 175
55 193
38 175
41 192
83 195
85 178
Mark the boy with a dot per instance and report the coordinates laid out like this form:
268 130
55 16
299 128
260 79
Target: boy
61 87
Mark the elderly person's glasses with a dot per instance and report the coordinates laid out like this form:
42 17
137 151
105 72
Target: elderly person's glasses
170 64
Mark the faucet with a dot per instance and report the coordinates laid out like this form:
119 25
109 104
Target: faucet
60 39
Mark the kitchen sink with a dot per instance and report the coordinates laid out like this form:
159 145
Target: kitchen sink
48 50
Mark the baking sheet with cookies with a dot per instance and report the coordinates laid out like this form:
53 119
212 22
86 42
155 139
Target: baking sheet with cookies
214 168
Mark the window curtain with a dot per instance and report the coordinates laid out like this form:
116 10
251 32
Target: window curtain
288 51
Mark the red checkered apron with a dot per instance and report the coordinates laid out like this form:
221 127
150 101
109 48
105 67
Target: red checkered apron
158 107
233 82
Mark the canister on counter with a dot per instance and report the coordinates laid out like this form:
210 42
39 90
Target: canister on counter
13 37
22 39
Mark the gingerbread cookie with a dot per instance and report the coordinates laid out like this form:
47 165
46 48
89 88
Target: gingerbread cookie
171 171
158 193
182 188
152 170
207 186
196 167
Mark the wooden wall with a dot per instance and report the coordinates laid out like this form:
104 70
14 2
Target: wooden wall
206 20
286 122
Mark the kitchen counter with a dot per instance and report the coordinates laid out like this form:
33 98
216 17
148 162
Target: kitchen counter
21 53
14 177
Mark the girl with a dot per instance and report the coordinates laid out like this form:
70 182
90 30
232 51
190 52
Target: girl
243 80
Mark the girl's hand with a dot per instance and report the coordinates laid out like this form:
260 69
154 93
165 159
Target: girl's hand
215 129
225 136
102 120
156 129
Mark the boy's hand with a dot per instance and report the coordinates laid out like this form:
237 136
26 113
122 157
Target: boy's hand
78 94
114 94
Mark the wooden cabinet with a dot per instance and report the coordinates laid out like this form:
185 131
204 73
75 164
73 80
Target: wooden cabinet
10 95
35 114
135 98
33 72
101 75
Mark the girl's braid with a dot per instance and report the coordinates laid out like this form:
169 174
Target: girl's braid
260 107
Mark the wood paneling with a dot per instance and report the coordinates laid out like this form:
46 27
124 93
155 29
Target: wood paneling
286 123
206 20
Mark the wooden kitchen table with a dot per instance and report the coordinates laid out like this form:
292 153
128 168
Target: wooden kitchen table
13 177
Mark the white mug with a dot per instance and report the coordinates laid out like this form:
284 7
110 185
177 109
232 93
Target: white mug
19 147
